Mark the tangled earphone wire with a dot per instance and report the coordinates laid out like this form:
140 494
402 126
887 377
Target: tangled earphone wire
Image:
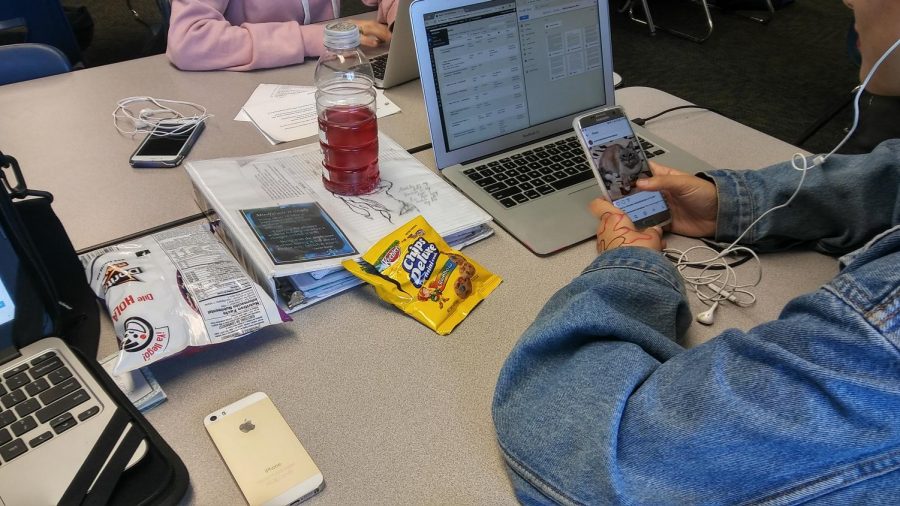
161 117
713 287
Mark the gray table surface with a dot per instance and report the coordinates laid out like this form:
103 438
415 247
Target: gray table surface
61 131
391 412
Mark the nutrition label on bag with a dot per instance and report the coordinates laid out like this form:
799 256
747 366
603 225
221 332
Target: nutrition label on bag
217 286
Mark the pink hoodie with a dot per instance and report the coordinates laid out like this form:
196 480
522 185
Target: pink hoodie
251 34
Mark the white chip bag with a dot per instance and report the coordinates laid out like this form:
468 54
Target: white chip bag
175 289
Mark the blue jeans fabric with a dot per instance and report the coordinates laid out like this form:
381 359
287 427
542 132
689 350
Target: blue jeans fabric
599 404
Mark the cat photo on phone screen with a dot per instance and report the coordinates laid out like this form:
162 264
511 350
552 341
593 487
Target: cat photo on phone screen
620 165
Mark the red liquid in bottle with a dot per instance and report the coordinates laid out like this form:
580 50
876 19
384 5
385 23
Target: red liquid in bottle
349 139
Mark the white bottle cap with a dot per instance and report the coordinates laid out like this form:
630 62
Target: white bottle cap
341 35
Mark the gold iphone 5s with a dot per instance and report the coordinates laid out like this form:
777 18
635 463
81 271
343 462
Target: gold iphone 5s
264 456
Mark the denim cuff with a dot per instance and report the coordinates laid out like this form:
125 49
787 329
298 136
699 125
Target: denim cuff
736 206
640 259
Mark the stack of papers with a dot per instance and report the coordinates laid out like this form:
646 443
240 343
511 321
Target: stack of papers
291 234
284 113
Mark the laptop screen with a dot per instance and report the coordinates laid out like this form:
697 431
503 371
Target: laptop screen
504 66
23 316
7 306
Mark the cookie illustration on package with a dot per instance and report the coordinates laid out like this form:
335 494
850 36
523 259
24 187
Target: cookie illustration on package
414 259
463 287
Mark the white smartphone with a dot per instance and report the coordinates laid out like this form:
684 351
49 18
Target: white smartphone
262 453
167 144
618 161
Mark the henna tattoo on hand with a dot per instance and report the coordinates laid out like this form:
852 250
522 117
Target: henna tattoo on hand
624 234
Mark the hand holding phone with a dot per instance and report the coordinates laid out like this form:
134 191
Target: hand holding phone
693 201
262 453
167 145
618 161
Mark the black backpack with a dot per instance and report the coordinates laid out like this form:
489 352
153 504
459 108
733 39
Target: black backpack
51 259
59 302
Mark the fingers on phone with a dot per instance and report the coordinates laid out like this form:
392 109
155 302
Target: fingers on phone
599 206
663 170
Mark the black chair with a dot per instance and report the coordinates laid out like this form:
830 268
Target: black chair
44 22
647 20
165 8
22 62
705 5
159 30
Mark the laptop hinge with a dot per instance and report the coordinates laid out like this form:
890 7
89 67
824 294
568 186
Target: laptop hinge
9 353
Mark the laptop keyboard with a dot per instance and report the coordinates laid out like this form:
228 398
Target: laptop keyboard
379 63
39 400
537 172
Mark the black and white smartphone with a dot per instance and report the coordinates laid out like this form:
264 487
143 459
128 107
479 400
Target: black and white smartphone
167 144
618 161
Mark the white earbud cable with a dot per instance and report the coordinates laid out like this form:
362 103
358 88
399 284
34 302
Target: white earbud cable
162 117
713 288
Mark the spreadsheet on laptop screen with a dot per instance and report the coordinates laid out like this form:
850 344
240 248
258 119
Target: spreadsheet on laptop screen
503 66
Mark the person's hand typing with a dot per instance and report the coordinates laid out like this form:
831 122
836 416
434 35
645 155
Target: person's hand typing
693 201
372 33
616 229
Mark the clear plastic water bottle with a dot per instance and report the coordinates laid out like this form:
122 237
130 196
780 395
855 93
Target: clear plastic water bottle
345 103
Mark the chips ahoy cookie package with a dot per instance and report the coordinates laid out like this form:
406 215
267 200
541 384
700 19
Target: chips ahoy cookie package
415 270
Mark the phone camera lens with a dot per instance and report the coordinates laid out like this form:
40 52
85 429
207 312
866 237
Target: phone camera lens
213 418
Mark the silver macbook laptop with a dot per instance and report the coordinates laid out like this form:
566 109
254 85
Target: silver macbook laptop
398 64
52 410
502 81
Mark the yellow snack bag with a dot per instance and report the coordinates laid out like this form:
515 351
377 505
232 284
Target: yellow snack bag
415 270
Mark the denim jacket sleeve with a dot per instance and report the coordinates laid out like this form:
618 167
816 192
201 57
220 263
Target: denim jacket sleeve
842 203
598 404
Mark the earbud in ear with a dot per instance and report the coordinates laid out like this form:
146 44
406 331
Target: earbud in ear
708 317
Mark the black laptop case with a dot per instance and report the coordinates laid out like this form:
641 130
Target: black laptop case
60 303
